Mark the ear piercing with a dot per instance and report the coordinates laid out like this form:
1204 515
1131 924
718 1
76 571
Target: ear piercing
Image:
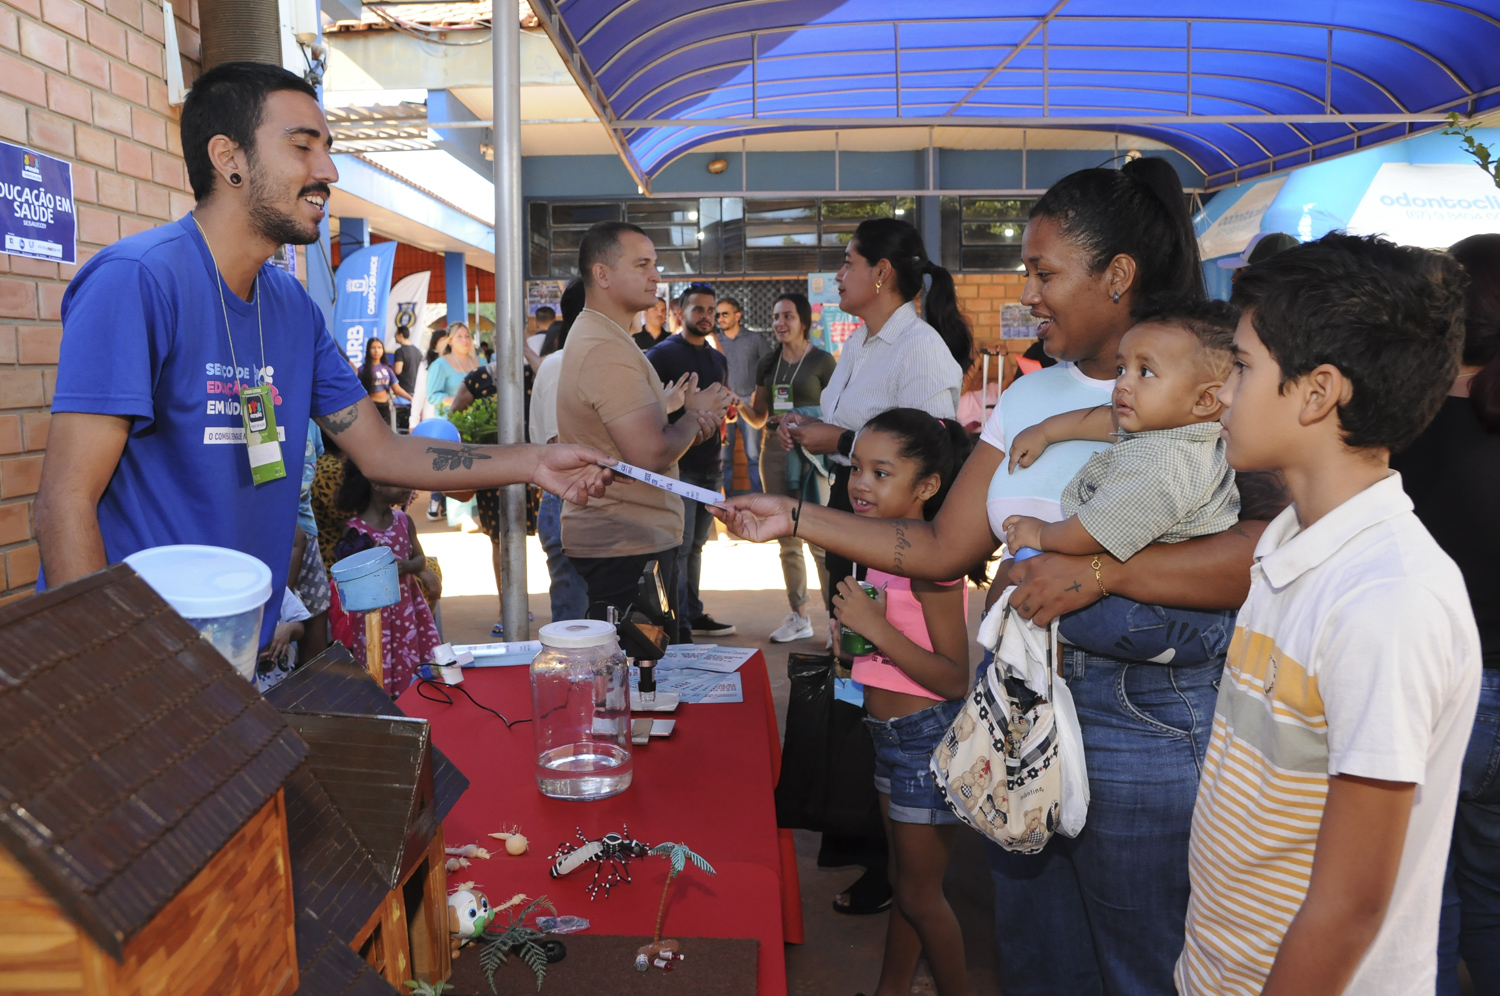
1117 297
234 181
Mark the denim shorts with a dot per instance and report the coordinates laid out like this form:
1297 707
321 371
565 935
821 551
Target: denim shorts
903 750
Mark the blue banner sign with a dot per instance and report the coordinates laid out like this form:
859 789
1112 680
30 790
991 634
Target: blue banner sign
364 293
36 205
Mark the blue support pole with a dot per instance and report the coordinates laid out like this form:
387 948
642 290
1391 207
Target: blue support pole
354 235
455 276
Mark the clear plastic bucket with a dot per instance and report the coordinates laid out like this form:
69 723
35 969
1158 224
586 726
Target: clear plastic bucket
221 593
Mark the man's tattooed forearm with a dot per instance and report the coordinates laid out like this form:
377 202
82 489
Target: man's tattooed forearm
902 545
339 420
460 459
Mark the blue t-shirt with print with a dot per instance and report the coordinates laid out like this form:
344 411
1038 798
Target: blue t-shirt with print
151 304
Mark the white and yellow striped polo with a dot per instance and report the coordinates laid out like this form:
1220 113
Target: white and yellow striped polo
1355 653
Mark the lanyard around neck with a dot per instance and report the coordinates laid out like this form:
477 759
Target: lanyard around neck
254 291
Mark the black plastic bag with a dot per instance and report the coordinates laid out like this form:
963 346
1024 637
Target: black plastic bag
827 778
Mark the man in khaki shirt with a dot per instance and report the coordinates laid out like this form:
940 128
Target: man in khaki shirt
611 398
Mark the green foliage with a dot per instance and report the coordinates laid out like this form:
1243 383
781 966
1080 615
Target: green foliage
478 423
426 988
1481 153
517 939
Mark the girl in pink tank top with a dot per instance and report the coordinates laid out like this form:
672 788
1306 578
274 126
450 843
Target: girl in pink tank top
903 463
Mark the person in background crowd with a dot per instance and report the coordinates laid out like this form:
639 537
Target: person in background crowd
567 592
487 352
1452 475
444 375
609 393
744 349
902 361
406 360
792 379
379 380
978 400
1103 912
438 345
536 342
1262 247
678 358
306 575
653 325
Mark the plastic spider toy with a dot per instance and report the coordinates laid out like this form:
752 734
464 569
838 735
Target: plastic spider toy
612 851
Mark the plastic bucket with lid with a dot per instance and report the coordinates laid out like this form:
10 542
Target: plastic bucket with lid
367 580
221 593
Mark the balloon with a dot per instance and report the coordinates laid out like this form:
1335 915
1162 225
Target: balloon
437 428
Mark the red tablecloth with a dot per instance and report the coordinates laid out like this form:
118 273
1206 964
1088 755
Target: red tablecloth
708 786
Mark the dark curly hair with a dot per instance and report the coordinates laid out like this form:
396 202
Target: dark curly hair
1389 317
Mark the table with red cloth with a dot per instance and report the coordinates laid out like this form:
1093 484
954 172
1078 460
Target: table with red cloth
709 786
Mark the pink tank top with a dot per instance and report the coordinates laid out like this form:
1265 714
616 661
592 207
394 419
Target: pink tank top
904 612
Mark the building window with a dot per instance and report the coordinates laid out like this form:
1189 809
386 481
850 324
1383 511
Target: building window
983 233
714 236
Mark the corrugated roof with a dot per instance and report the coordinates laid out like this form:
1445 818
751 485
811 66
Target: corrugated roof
1241 90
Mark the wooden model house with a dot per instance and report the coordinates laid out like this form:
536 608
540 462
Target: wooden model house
143 842
365 819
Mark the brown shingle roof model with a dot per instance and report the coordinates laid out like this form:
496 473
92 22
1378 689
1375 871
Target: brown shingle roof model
327 966
130 751
378 772
333 876
334 681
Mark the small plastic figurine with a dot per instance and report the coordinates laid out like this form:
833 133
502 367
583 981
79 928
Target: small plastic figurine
664 953
515 842
612 851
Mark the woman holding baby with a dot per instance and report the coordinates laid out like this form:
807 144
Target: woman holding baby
1129 527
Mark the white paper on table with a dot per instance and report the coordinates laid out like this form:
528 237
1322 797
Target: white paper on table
720 660
665 483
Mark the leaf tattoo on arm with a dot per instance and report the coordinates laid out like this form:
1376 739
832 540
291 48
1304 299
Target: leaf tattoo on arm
460 459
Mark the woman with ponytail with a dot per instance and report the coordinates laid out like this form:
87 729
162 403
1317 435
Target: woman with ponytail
1452 475
1104 911
898 360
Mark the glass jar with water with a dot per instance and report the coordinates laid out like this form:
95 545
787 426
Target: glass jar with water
580 698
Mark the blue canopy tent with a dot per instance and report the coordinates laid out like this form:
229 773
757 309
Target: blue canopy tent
1241 92
1317 199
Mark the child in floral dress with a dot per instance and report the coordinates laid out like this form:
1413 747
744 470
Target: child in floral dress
408 632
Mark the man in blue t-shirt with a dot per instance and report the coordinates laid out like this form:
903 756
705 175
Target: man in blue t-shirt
150 447
688 352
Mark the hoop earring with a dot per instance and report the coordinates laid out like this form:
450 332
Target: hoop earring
234 181
877 286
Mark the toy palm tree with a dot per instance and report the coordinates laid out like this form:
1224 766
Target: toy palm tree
666 951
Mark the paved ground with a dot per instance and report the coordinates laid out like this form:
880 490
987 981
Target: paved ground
841 955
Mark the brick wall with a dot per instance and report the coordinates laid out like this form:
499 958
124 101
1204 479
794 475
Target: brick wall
85 82
980 296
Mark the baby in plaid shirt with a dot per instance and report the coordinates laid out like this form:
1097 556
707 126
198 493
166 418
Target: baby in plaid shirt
1166 478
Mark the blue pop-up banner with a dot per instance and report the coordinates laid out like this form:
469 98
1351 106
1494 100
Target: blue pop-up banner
36 205
364 293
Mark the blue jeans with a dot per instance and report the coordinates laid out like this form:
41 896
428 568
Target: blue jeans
1135 631
903 753
1470 926
569 594
751 436
1103 912
697 523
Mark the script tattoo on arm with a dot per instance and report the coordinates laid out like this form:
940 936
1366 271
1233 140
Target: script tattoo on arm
461 458
902 545
339 420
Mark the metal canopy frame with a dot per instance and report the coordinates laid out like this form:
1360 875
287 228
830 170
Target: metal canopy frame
666 81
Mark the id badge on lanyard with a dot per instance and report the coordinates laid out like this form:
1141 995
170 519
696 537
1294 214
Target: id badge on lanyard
781 398
259 416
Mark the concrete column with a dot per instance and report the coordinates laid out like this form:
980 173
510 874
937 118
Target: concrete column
456 278
510 305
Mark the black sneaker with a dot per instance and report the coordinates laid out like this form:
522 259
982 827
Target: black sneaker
707 625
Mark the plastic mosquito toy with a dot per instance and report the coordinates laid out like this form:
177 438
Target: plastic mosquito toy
610 853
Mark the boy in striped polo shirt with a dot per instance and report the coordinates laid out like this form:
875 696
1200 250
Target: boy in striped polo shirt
1323 818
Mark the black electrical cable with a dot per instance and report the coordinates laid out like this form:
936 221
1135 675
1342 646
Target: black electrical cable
446 699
